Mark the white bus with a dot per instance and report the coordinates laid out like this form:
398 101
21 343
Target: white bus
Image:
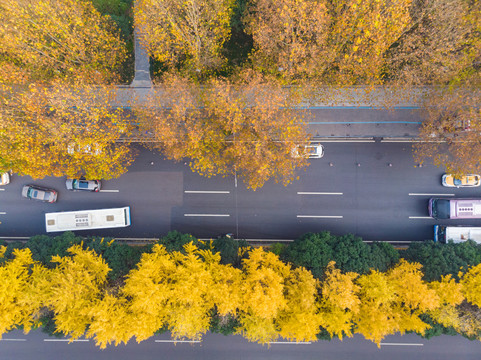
87 219
457 234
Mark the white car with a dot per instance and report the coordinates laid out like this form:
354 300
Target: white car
4 178
311 151
470 180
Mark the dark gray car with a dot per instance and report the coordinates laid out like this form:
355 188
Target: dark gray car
82 185
39 193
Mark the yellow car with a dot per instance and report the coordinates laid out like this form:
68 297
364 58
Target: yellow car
469 180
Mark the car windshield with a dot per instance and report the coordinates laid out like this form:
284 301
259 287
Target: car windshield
457 182
83 184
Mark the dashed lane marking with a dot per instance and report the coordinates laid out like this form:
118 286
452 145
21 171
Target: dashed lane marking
421 217
318 193
401 344
109 191
206 192
212 215
178 341
321 216
422 194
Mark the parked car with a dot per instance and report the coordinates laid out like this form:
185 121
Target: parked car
4 178
82 185
311 151
93 149
39 193
470 180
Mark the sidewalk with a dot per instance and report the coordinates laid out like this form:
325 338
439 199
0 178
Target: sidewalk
338 113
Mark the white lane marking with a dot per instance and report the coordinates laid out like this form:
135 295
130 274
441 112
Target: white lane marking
421 217
67 340
401 344
177 341
206 215
13 339
290 342
320 216
2 189
421 194
346 141
206 192
2 212
109 191
318 193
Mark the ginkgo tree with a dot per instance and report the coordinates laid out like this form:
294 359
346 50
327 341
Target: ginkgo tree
60 130
51 39
450 133
340 42
247 128
188 33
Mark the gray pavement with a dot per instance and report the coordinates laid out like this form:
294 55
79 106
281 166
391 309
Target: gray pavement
142 66
38 346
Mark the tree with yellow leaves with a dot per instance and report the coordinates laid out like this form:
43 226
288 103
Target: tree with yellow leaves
450 133
73 288
339 301
338 42
186 33
17 307
392 302
59 130
248 128
178 290
52 39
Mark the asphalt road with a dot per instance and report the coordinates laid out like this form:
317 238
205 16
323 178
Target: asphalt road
360 193
38 346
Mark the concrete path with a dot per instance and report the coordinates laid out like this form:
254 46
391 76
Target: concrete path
142 65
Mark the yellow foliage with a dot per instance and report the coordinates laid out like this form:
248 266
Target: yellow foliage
471 283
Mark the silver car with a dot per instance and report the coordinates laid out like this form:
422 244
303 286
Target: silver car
83 185
310 151
4 178
39 193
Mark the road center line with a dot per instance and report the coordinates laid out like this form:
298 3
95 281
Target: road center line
67 340
206 192
206 215
318 193
289 342
13 339
421 194
401 344
320 216
109 191
177 341
421 217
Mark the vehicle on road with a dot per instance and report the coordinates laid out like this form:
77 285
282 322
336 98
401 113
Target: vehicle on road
82 185
457 234
4 178
88 149
39 193
470 180
311 151
87 219
455 208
